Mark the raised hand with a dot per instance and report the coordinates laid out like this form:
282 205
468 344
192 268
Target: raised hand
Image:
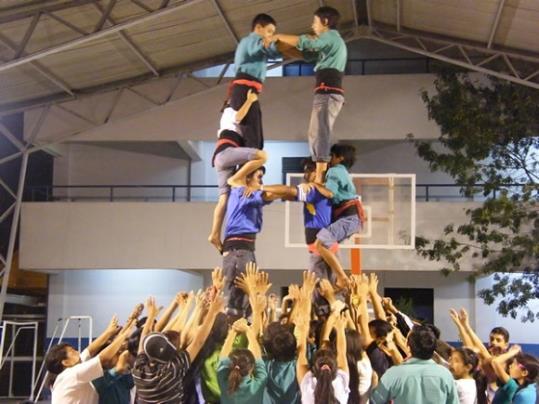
326 290
181 298
259 303
217 305
340 321
454 316
218 279
240 326
309 283
122 366
252 96
113 326
151 307
262 284
373 283
463 316
293 291
272 301
137 311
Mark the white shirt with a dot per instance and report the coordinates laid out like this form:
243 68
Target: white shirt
340 387
364 369
467 391
74 384
228 121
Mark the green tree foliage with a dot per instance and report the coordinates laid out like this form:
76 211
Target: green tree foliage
489 136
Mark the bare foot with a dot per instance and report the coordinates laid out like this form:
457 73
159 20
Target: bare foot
235 183
216 242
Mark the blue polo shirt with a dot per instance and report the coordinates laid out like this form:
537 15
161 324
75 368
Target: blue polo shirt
244 214
316 209
251 56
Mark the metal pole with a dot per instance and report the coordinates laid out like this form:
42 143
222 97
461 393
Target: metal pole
34 362
13 232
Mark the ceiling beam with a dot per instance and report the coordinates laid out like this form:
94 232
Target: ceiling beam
27 35
43 9
494 27
354 10
99 34
39 68
227 24
129 43
398 15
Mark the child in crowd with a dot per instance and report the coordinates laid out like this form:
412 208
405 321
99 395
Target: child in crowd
464 365
241 373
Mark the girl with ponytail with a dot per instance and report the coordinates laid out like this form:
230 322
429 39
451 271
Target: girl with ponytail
241 373
327 381
464 365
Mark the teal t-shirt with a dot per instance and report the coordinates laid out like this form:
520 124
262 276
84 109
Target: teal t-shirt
282 385
510 393
328 50
339 182
251 56
251 389
114 388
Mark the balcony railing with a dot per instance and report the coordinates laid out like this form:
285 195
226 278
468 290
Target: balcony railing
186 193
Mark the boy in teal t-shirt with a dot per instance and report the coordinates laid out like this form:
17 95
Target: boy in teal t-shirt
328 50
347 209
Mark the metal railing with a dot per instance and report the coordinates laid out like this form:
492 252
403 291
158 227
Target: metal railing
427 192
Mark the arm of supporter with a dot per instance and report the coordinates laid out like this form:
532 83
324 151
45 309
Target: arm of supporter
152 311
96 345
291 40
273 192
251 98
324 191
463 334
364 318
165 317
311 43
375 298
499 363
107 355
272 51
340 326
194 321
199 339
178 322
475 340
288 51
229 343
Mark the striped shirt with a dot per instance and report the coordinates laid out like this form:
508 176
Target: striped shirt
160 382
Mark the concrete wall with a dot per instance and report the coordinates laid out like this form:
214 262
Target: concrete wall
173 235
377 107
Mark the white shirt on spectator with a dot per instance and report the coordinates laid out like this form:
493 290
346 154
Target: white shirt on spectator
364 369
228 121
340 387
73 385
467 391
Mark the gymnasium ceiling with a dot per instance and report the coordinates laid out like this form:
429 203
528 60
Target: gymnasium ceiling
54 51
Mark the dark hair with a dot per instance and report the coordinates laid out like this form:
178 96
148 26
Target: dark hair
262 20
531 364
380 327
308 164
279 342
435 330
470 358
422 342
501 331
263 169
325 371
328 16
242 362
173 337
347 152
53 361
353 356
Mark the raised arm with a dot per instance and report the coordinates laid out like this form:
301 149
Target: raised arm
291 40
252 97
375 298
340 327
216 306
229 341
476 341
499 362
463 334
98 343
107 355
177 323
362 290
167 314
152 311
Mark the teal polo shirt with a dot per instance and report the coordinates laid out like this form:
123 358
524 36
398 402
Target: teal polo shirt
416 381
339 182
328 50
251 56
251 388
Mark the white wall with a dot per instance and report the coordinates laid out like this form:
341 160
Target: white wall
377 107
82 164
174 235
103 293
